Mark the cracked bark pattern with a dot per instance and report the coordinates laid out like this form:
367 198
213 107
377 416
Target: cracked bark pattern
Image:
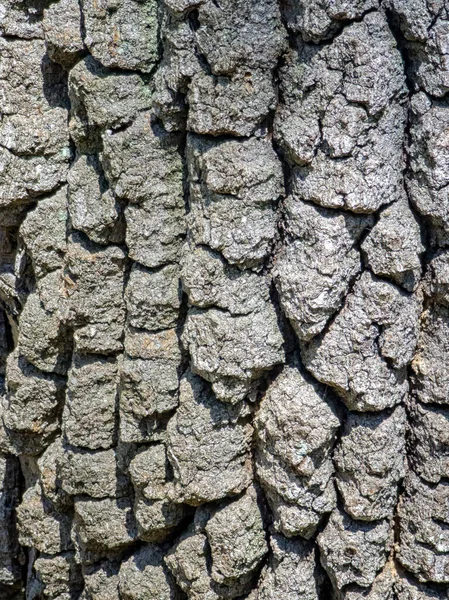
224 300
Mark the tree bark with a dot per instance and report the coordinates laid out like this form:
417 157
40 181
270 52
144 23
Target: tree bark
224 300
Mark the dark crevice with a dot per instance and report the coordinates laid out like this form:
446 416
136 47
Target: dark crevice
10 343
194 19
325 589
82 21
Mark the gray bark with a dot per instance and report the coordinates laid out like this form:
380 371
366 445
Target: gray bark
224 300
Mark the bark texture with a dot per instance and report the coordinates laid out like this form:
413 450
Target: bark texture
224 300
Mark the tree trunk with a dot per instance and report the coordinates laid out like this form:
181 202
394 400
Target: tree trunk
224 300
